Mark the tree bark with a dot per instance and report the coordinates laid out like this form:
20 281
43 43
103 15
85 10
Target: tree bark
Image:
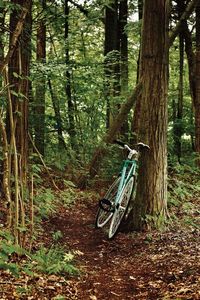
2 19
71 109
111 51
39 107
16 31
178 113
150 205
197 90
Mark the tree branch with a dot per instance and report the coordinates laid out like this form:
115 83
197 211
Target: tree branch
80 7
188 11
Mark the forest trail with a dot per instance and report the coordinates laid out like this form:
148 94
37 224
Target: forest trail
163 265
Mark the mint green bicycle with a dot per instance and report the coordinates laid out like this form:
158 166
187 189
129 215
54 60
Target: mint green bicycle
114 205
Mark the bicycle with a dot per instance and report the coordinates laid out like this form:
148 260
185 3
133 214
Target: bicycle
114 205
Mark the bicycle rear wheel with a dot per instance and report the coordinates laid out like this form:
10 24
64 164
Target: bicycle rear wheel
121 209
103 216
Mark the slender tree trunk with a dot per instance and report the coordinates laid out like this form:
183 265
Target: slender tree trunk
135 121
61 140
2 18
150 204
192 80
178 131
39 111
123 16
197 90
123 39
111 47
71 109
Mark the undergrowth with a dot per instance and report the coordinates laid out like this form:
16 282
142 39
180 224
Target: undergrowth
184 195
15 260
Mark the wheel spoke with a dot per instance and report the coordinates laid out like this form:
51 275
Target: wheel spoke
123 204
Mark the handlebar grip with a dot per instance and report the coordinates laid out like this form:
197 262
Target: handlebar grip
119 143
143 146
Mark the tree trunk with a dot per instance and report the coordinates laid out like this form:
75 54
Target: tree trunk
111 47
17 121
2 18
123 76
178 131
197 94
61 140
150 204
39 109
71 109
135 120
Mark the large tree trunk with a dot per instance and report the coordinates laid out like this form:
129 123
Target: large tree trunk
17 121
151 199
20 64
39 111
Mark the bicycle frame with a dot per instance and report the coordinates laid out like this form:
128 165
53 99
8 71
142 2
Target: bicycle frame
125 176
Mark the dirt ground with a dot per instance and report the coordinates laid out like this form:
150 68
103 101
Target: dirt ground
153 265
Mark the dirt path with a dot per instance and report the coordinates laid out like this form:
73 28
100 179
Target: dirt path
135 266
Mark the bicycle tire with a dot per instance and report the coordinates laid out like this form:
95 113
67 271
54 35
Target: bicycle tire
103 217
121 210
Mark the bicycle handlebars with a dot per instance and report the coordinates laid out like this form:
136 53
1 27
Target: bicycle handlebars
139 145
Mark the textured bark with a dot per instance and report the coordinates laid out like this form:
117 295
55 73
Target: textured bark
123 15
39 108
178 109
111 45
151 199
16 31
71 109
2 19
197 94
19 63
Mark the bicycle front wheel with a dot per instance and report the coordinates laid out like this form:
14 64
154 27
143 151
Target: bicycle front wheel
122 208
103 216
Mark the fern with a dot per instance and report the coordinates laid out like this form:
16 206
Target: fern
53 261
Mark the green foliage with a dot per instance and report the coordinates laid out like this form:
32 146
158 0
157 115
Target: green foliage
57 235
50 261
183 184
7 250
45 202
53 261
183 195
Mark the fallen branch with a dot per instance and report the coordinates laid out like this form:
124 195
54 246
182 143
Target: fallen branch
110 136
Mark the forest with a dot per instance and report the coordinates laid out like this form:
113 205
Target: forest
80 79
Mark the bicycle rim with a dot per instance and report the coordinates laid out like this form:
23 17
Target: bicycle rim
121 210
103 217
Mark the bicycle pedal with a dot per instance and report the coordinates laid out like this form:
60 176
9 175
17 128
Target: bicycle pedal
106 205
